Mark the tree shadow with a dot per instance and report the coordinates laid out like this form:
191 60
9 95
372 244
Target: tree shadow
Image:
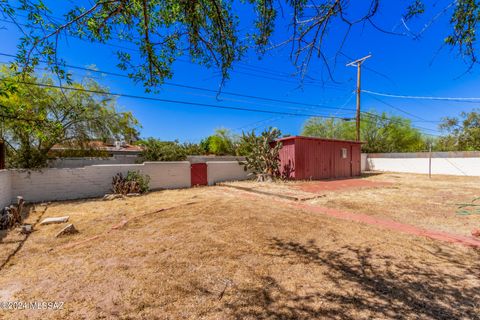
18 239
365 285
287 171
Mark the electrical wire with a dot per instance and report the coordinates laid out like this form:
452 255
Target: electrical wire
399 109
172 101
168 83
461 99
261 76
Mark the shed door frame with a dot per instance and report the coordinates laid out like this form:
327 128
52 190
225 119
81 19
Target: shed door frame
351 161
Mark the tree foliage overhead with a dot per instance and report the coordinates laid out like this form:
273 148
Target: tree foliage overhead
462 133
380 132
35 118
209 31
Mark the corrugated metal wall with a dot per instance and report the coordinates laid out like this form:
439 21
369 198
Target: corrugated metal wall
314 158
356 160
287 159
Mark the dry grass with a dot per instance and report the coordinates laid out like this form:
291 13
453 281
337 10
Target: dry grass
280 188
414 199
408 198
220 253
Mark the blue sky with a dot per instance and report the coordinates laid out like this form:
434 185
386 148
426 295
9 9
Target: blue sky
400 65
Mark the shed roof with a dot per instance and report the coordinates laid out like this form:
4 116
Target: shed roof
319 139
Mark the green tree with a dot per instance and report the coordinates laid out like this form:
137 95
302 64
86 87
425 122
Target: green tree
461 133
210 31
157 150
328 128
37 118
380 132
221 143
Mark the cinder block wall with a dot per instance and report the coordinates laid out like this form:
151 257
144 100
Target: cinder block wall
83 162
363 163
93 181
5 188
448 166
450 163
218 171
52 184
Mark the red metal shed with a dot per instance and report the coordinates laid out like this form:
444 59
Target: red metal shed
318 158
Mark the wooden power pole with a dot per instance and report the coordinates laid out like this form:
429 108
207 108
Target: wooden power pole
358 63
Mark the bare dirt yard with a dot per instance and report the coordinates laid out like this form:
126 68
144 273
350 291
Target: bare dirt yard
225 253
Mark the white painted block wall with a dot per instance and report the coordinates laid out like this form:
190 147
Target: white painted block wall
93 181
363 163
5 188
219 171
448 166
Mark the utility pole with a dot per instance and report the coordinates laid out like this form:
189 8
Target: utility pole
358 63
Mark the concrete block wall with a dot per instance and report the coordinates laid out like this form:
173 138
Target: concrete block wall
219 171
364 164
93 181
449 166
5 188
205 159
83 162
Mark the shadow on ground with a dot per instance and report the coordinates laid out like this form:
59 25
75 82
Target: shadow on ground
358 284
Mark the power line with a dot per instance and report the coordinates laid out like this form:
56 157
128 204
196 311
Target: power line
215 91
399 109
271 119
263 76
240 64
172 101
195 87
372 115
209 105
461 99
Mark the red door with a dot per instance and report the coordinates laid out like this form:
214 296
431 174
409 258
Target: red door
199 174
356 160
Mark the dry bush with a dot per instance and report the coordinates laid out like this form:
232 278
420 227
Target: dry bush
133 182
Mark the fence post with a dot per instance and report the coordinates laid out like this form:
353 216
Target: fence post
430 161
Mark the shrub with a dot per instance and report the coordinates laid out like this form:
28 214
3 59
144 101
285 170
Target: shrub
133 182
193 149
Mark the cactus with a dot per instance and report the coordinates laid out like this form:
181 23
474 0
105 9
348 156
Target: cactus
263 154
